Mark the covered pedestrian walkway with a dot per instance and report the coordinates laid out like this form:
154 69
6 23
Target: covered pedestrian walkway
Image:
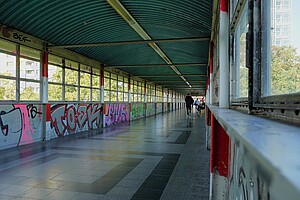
159 157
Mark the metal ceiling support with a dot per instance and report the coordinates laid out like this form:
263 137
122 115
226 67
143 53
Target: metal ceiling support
157 65
172 75
198 81
192 39
121 10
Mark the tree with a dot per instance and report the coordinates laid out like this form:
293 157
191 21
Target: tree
285 73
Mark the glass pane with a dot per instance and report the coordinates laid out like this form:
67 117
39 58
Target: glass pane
285 47
71 64
29 52
106 95
95 95
113 96
85 79
126 97
120 86
96 81
125 87
71 93
114 76
29 90
125 80
106 74
8 65
71 76
120 96
85 94
113 85
242 75
106 83
54 59
29 69
54 74
7 89
54 92
96 71
85 68
132 97
8 46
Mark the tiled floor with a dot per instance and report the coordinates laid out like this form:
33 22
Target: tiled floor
162 157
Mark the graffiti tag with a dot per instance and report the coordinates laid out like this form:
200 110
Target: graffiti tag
66 118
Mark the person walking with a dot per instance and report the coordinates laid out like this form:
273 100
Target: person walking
188 103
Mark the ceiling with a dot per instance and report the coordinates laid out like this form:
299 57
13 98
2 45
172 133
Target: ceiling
163 41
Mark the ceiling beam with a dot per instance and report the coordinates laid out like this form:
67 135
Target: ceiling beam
157 65
172 75
191 39
195 81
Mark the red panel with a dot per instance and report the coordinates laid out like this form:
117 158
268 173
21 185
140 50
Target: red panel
224 5
45 64
48 113
220 150
102 76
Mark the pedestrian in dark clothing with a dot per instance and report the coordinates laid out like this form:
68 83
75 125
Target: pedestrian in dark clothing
188 103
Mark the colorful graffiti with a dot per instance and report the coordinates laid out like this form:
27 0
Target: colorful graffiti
138 110
150 109
159 108
20 124
70 118
116 113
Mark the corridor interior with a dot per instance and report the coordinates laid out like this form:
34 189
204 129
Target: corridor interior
159 157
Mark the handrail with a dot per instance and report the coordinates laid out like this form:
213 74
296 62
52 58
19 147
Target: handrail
272 147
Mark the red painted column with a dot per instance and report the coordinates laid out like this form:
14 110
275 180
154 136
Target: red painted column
45 76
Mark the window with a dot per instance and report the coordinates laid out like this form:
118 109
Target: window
30 76
71 80
85 82
241 76
96 84
284 60
8 71
55 78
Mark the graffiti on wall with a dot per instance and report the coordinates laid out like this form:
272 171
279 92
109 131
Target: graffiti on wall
245 181
138 110
150 109
159 107
116 113
20 124
72 118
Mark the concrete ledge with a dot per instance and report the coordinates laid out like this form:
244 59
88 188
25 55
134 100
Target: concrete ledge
273 146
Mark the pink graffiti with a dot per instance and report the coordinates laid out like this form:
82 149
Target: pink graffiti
116 113
66 118
27 129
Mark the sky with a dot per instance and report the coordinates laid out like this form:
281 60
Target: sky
296 24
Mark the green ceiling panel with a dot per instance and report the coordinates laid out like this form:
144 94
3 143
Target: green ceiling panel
62 22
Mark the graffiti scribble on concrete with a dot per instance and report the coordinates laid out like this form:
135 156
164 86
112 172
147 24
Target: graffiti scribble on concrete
116 113
20 124
68 119
138 110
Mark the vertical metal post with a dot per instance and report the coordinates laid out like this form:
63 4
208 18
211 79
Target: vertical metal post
44 93
223 53
102 93
250 55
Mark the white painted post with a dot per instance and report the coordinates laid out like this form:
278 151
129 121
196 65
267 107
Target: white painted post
224 55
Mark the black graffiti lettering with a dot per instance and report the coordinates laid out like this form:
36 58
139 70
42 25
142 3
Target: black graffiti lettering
4 128
20 37
32 111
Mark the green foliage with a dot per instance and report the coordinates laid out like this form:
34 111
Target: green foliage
285 73
29 94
